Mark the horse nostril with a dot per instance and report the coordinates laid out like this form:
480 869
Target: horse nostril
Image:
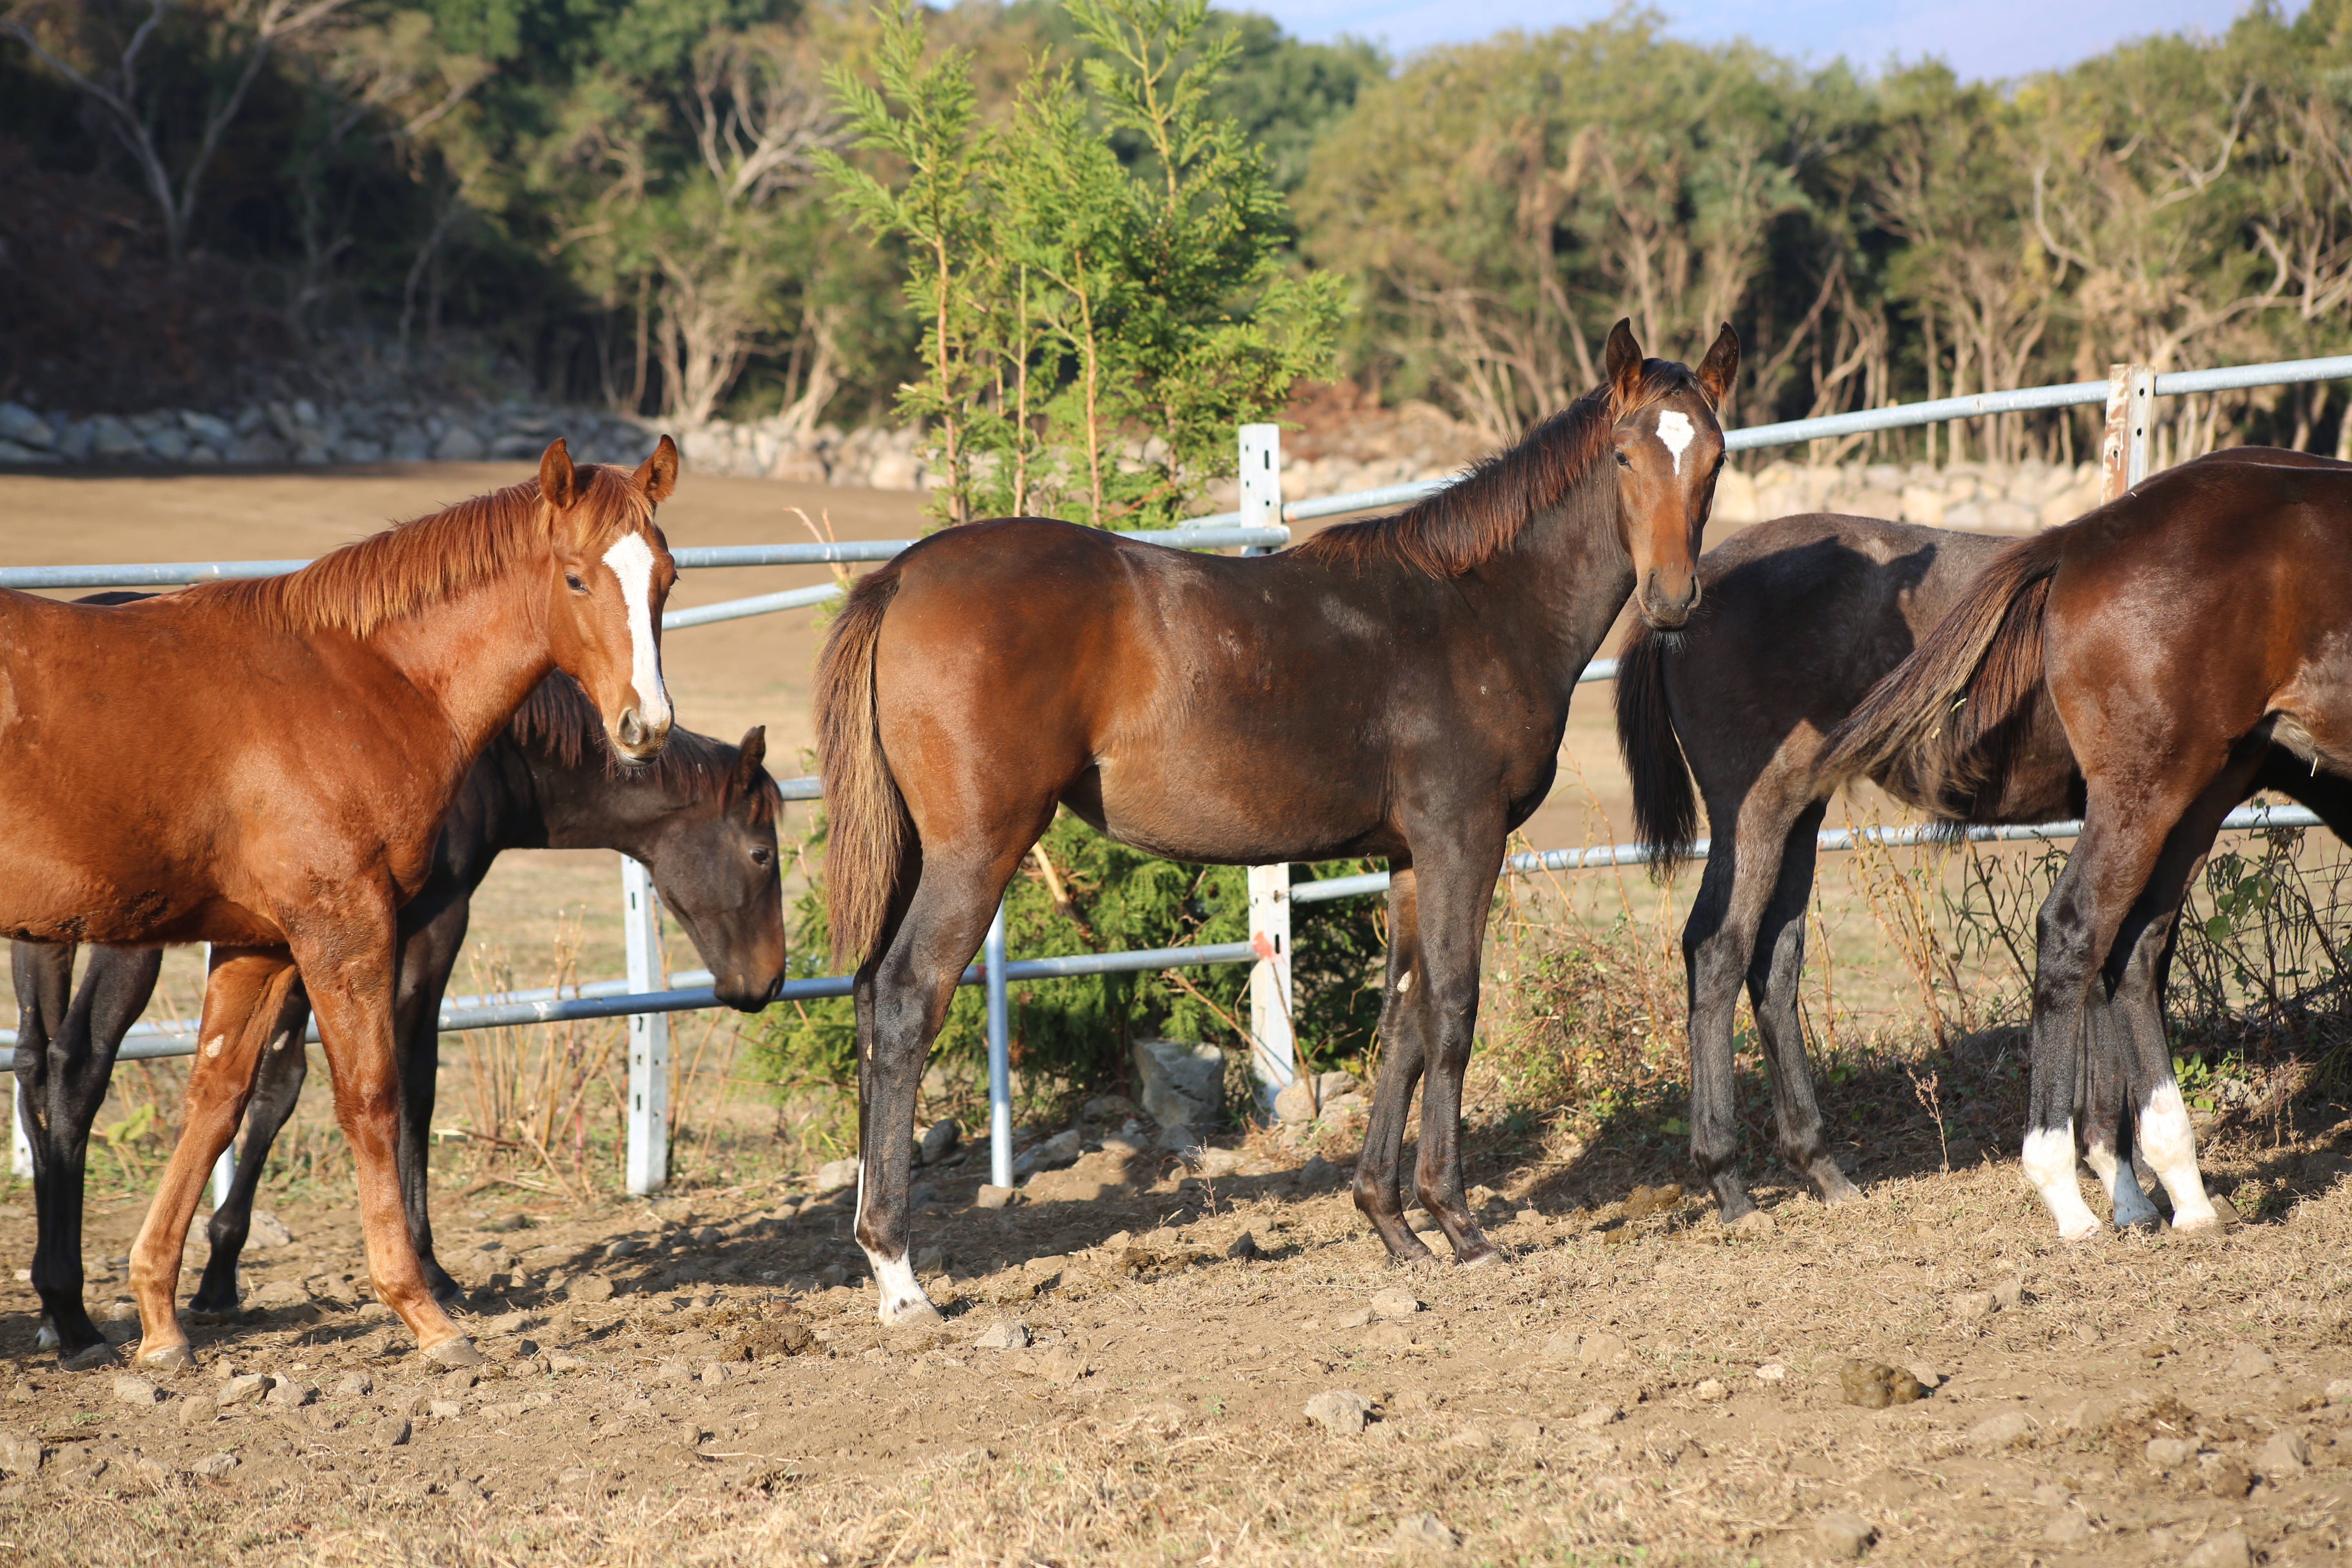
632 728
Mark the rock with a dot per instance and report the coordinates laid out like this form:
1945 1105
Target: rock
1355 1320
1425 1532
836 1174
244 1388
940 1139
459 445
1395 1303
280 1293
1005 1336
1755 1222
26 428
354 1386
2228 1550
1215 1162
2170 1453
1339 1412
20 1453
2224 1478
1179 1139
1393 1336
287 1395
1874 1386
1303 1099
2251 1362
2011 1296
1772 1371
1181 1083
2284 1454
1973 1305
1057 1152
991 1198
212 1467
2000 1431
1103 1106
136 1391
1597 1350
1245 1249
445 1409
268 1230
588 1288
1319 1175
1712 1391
1597 1416
394 1432
2092 1417
2067 1527
1843 1535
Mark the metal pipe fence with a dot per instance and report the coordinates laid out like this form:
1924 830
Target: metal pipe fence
1257 527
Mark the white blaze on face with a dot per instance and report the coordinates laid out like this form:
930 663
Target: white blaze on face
1676 431
632 560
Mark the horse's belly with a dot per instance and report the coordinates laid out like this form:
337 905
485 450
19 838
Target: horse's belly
1200 813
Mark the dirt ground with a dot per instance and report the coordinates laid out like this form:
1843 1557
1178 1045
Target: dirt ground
1635 1385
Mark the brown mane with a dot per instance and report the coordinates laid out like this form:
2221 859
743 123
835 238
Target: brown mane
559 722
1479 515
397 572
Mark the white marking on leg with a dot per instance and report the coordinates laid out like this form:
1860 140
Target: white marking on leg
1675 430
903 1301
1405 984
47 1339
2048 1162
632 560
2131 1204
2171 1147
213 1047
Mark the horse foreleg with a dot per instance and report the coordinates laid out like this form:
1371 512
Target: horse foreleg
1776 972
2106 1101
350 982
276 1089
243 993
427 954
1454 906
1403 1036
902 998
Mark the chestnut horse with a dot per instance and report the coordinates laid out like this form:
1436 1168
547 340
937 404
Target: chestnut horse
1394 688
264 765
1807 611
702 819
2179 633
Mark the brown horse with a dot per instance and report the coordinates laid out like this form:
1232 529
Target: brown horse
264 765
1806 613
2179 633
1394 688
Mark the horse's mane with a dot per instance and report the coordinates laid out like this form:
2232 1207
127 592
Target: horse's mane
1478 517
397 572
558 720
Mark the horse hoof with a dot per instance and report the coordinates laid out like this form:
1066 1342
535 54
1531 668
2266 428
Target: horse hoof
88 1356
46 1340
914 1314
457 1352
1843 1192
2085 1233
170 1358
1484 1256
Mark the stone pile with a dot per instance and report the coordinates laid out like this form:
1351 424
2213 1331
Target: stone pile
301 431
1978 498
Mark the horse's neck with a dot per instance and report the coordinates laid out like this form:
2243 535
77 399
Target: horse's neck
589 806
1566 576
475 654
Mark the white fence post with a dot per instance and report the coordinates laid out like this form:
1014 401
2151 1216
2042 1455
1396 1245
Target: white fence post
1274 1048
1000 1055
648 1154
1261 478
2124 449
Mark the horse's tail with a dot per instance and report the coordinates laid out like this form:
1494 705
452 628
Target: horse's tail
868 826
1960 688
1665 807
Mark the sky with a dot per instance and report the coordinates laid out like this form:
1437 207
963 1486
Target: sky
1979 38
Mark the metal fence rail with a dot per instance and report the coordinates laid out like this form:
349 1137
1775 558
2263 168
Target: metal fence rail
1257 527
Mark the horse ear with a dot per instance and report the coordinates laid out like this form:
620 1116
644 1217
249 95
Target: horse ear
557 480
657 475
1624 361
752 752
1722 363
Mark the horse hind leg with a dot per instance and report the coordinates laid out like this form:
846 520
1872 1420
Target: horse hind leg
1403 1036
1775 973
902 992
1452 928
2107 1116
276 1089
243 993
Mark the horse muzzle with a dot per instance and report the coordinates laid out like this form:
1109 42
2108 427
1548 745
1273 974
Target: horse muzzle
637 741
745 992
1664 609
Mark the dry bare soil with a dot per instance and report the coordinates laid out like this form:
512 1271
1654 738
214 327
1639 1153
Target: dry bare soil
1636 1384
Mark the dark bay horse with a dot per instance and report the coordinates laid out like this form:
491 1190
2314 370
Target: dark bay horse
1804 613
1395 688
264 765
2180 634
702 818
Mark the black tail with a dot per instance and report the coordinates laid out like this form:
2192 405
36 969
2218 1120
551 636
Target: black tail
1665 807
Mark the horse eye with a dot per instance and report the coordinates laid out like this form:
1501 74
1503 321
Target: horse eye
763 857
577 586
1623 461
